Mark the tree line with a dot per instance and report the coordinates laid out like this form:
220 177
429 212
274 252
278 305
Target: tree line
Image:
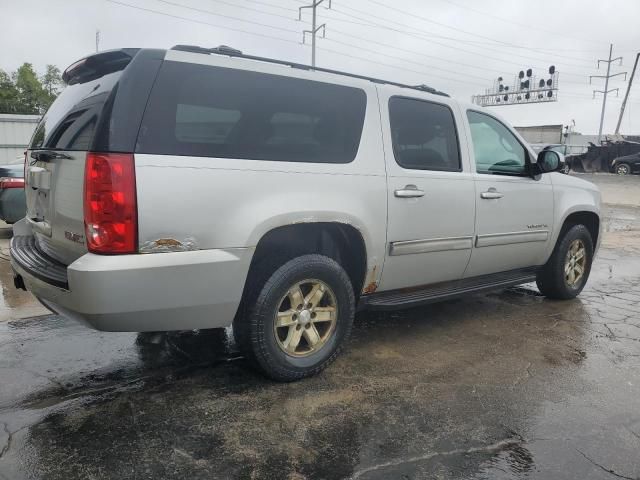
24 92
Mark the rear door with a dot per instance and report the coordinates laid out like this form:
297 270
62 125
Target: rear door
99 110
430 191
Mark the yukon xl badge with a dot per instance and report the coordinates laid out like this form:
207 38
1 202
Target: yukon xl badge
74 237
538 225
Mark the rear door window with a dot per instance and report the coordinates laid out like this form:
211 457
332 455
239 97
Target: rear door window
199 110
424 135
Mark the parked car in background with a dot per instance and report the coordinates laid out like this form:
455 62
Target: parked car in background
12 198
627 164
305 194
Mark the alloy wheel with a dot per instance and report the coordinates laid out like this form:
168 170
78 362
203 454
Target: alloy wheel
622 170
575 263
306 318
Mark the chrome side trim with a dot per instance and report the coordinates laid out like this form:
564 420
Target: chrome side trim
492 239
409 247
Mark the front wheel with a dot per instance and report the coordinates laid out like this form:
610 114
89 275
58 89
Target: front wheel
565 274
623 169
301 318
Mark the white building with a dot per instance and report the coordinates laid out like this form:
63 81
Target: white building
15 133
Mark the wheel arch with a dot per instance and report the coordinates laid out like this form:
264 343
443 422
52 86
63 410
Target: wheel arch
585 215
588 218
341 241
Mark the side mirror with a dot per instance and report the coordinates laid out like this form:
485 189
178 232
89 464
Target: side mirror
549 161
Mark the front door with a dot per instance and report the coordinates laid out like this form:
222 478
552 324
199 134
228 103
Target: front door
431 203
514 212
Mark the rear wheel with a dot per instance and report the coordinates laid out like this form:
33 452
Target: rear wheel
565 274
623 169
298 319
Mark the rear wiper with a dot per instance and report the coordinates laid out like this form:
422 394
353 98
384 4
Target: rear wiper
46 155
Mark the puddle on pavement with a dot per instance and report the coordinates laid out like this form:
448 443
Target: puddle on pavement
52 356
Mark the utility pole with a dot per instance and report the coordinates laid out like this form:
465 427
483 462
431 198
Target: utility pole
626 95
97 41
606 90
314 28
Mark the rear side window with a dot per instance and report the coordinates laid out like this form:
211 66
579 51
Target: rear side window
70 122
198 110
424 135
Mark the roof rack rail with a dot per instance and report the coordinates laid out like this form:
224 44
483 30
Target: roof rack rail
232 52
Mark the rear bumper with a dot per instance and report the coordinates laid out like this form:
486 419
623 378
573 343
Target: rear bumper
137 293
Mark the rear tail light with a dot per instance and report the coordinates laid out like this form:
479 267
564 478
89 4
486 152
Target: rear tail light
110 210
11 182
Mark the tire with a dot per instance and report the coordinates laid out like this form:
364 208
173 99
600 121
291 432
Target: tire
552 279
566 169
623 169
287 353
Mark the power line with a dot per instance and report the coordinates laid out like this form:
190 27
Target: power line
186 19
280 7
237 19
414 52
251 9
209 12
402 59
403 30
425 37
224 27
316 28
428 20
526 25
365 59
340 53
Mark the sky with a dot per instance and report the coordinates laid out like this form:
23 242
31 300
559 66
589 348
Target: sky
457 46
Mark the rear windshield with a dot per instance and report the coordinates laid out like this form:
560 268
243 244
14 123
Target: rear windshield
70 122
198 110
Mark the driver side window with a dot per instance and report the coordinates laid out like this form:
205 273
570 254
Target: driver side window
496 149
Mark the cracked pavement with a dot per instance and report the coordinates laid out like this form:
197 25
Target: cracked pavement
499 386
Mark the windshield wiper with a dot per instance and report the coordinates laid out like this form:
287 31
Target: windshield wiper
46 155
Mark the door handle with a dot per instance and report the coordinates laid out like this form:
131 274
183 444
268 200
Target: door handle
492 193
409 191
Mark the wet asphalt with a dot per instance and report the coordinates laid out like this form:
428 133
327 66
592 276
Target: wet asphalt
499 386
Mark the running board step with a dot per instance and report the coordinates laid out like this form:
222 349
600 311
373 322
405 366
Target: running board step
410 297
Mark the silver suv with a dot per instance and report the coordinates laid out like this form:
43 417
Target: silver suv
200 188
